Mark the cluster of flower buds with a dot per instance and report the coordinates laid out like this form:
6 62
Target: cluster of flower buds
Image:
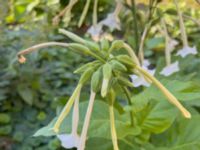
109 70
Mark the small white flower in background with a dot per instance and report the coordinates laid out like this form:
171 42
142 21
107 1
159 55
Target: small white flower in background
95 31
140 80
170 69
172 44
69 140
186 51
111 21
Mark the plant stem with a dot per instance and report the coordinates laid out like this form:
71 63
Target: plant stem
133 10
129 103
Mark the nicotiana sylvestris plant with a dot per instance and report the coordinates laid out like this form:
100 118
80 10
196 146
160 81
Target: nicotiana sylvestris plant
107 71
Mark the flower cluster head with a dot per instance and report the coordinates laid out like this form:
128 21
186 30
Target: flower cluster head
109 70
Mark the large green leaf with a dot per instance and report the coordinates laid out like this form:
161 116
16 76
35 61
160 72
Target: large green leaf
99 125
156 117
183 135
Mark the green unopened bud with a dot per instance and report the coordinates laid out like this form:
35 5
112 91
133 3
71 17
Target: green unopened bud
105 44
79 48
96 80
107 73
91 45
72 36
116 45
91 65
126 60
124 81
86 76
116 65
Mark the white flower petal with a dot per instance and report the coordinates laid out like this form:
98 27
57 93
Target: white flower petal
69 140
186 51
146 63
169 70
172 44
111 21
95 30
139 80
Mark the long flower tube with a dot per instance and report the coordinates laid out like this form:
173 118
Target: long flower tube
168 95
87 121
141 46
186 50
72 140
111 99
84 13
67 108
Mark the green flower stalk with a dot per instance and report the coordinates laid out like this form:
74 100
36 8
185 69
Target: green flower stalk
87 121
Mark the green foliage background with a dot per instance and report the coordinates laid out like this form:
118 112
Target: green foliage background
31 94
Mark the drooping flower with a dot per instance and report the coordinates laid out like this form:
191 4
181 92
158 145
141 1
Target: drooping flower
138 80
111 21
72 140
186 51
95 31
170 69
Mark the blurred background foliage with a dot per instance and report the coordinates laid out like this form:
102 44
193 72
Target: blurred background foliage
30 93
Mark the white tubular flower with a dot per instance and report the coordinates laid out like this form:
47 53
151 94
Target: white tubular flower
140 80
170 69
95 31
111 21
73 139
172 44
86 122
69 140
186 50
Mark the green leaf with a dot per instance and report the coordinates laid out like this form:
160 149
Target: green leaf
183 135
156 117
26 94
